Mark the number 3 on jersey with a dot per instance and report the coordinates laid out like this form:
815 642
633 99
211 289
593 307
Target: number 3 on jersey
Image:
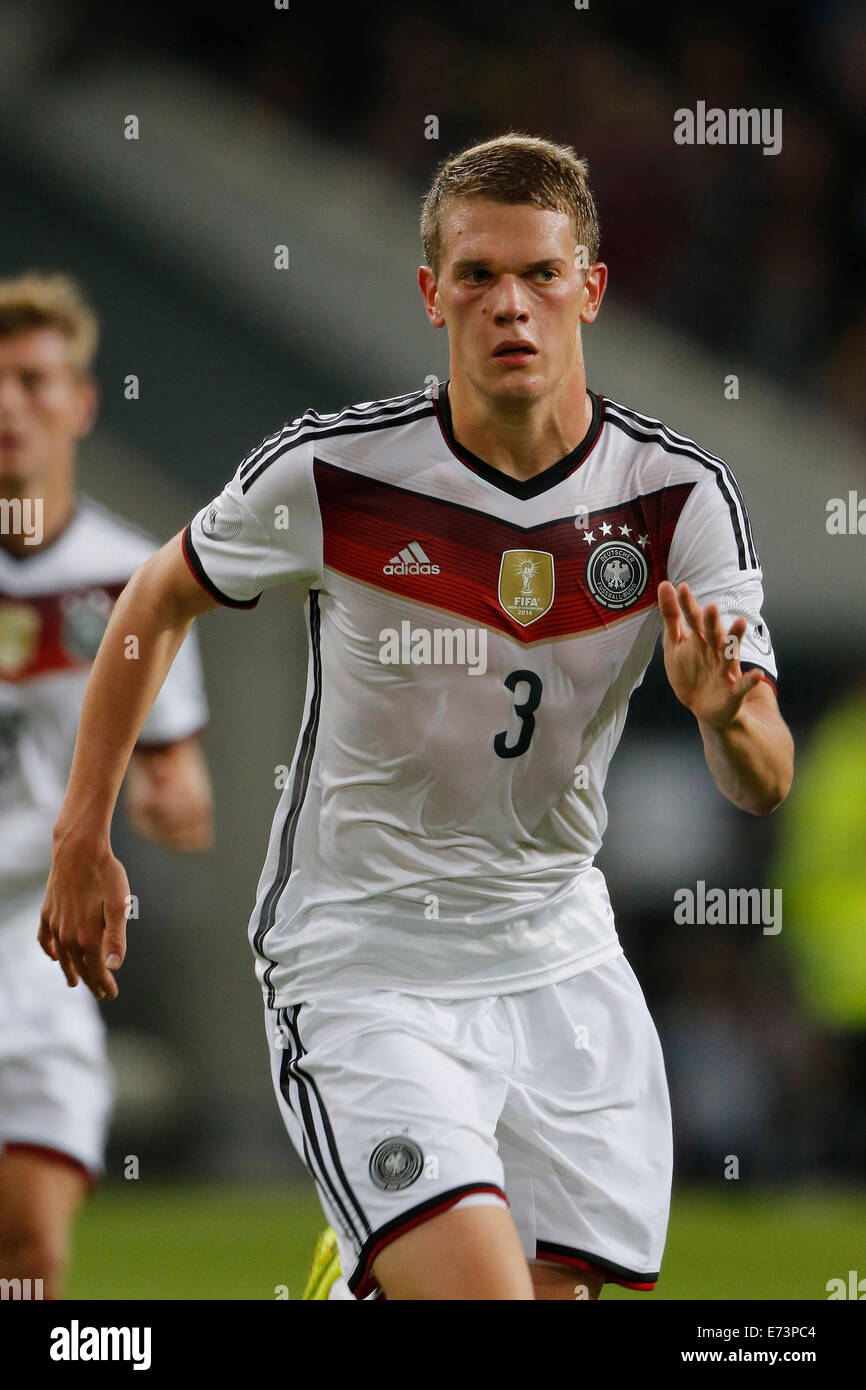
526 712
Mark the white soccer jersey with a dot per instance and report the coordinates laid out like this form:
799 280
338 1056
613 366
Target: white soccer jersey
474 641
54 605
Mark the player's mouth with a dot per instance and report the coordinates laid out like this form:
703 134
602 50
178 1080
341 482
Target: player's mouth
514 351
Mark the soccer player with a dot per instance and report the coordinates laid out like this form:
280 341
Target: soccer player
63 561
460 1051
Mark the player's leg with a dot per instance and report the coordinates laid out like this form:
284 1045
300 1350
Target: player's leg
564 1282
468 1253
39 1196
549 1281
55 1096
392 1102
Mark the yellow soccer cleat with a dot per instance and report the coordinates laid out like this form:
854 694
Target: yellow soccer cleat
325 1270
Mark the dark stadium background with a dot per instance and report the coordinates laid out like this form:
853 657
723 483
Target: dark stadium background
306 127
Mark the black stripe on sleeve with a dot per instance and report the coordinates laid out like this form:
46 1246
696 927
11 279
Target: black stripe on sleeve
644 438
682 442
330 432
204 579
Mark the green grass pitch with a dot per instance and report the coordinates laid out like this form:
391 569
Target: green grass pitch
220 1242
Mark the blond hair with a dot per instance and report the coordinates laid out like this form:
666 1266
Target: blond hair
512 168
38 300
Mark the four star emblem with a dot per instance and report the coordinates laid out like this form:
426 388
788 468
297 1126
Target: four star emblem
606 529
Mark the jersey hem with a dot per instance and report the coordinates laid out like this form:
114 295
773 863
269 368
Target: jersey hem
548 1253
449 989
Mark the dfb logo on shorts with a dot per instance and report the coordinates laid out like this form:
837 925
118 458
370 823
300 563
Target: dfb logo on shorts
616 574
396 1163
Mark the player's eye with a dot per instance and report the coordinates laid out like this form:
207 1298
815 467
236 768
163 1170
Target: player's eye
545 270
31 380
477 270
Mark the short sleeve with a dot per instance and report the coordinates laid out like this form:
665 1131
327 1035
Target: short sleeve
263 529
713 551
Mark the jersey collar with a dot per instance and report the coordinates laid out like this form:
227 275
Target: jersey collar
516 487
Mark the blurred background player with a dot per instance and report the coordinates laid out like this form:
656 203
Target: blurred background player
63 561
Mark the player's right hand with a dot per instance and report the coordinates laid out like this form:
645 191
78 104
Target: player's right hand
82 924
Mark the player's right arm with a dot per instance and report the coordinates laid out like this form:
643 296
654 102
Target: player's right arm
83 919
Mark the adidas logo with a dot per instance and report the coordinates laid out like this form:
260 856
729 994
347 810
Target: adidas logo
411 560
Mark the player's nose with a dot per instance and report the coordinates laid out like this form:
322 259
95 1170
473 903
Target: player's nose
511 298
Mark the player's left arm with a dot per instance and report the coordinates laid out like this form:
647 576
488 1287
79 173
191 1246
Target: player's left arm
747 744
168 795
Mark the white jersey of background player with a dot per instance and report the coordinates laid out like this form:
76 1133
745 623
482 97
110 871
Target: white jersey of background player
453 1025
64 559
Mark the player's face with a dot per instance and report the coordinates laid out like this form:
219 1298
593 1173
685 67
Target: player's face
512 272
45 406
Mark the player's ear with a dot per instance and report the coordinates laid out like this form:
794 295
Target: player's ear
593 291
427 286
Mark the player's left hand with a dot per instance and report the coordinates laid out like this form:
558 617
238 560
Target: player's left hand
701 659
169 799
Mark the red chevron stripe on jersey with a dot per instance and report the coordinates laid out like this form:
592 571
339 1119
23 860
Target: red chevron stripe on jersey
368 523
45 633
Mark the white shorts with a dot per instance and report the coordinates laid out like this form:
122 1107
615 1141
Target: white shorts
552 1100
55 1082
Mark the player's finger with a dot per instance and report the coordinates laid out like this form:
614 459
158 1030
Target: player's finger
746 682
74 956
88 974
735 636
113 945
45 937
85 951
691 609
713 630
65 962
671 612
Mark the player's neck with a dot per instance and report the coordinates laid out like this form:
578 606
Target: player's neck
520 438
35 517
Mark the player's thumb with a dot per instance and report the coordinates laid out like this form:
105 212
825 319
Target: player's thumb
117 902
